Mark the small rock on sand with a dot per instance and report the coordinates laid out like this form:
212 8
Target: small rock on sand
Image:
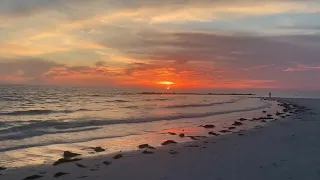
193 138
147 152
181 135
59 174
192 146
213 133
98 149
80 165
264 111
68 154
62 160
209 126
106 163
173 152
278 113
143 146
224 131
168 142
33 177
118 156
236 123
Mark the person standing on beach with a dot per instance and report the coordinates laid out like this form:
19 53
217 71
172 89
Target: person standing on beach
269 94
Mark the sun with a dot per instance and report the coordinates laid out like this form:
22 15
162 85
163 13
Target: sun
167 84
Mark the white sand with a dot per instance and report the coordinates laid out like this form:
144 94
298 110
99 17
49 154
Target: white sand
283 149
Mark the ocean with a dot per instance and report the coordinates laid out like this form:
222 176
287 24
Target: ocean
38 123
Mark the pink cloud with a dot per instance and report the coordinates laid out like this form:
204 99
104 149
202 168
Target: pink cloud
301 67
258 67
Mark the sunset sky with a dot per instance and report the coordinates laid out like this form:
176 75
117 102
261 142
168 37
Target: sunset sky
153 43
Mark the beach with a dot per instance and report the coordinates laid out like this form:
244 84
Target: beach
281 149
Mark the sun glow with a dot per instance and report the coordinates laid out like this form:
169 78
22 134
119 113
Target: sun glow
166 82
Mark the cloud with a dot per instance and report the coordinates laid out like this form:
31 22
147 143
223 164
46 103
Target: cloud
300 27
101 63
194 43
192 46
34 70
301 67
259 67
28 69
170 9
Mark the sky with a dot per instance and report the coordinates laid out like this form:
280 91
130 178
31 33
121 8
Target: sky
167 43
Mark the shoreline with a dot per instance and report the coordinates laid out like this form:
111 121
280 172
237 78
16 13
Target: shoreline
172 161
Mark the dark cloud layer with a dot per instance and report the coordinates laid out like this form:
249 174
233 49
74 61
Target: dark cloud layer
243 50
26 67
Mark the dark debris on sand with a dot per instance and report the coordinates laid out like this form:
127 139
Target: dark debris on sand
2 168
33 177
181 135
59 174
237 123
98 149
81 177
118 156
193 145
209 126
147 152
80 165
107 163
63 160
214 134
193 138
173 152
168 142
68 154
171 133
224 131
144 146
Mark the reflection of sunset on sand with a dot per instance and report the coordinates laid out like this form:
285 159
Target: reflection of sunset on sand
206 155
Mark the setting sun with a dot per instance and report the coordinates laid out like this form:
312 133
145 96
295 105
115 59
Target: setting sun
166 82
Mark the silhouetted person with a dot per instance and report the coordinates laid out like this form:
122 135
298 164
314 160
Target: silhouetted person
269 94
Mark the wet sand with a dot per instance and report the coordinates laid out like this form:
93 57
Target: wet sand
286 148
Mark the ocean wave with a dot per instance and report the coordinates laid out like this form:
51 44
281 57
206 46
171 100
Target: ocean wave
39 112
118 101
204 104
61 141
157 99
81 123
22 135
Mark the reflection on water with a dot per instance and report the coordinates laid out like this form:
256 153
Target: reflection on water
38 124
